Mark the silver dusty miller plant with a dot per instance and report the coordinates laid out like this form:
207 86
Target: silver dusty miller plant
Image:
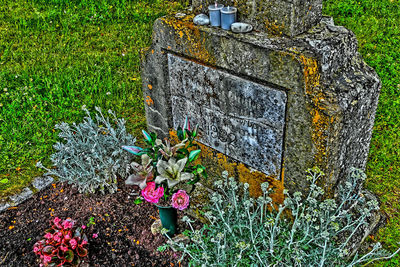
304 231
91 156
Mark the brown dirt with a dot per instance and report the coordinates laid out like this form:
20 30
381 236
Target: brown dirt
124 236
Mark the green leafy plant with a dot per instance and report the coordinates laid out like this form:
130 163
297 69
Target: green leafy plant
305 231
165 168
162 248
90 156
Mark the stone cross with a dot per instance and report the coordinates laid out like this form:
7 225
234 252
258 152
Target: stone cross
280 17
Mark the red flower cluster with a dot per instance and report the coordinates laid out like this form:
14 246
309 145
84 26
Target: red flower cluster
63 244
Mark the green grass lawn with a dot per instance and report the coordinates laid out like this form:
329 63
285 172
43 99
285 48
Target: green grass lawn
55 57
58 55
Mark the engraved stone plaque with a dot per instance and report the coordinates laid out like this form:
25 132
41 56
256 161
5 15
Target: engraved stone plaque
240 118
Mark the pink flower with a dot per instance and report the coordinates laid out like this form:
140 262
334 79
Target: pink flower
36 249
73 243
151 194
63 248
180 200
57 238
84 242
95 236
48 236
68 224
57 221
67 237
83 226
46 259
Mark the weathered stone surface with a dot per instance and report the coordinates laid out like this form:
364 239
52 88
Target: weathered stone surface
289 17
21 197
4 206
156 227
237 117
240 27
377 220
331 94
201 19
180 15
42 182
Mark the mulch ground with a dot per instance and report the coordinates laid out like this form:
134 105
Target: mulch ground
124 236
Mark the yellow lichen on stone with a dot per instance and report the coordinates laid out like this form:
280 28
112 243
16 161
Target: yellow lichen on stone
320 120
149 101
255 179
273 27
188 36
311 73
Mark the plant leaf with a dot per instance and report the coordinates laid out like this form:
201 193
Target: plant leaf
195 180
153 137
4 181
138 200
77 232
146 135
179 133
82 252
69 256
195 131
186 125
135 150
194 154
47 250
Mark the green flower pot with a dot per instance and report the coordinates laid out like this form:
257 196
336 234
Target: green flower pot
168 217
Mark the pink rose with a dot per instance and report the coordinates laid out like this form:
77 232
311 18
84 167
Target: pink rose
63 248
84 242
95 236
83 226
67 237
180 200
151 194
73 243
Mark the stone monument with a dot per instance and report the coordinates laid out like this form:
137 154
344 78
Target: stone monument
293 94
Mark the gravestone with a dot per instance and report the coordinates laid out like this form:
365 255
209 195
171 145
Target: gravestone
269 104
